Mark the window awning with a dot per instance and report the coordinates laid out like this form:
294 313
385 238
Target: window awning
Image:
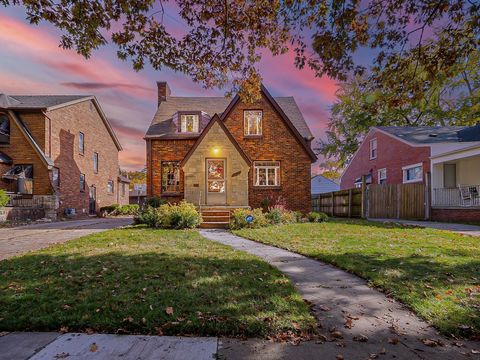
19 172
5 159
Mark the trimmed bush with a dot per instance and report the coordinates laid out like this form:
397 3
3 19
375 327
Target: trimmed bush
288 217
238 219
317 217
155 202
181 216
274 216
109 209
130 209
4 198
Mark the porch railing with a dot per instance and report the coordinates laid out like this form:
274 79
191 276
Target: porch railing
462 196
19 200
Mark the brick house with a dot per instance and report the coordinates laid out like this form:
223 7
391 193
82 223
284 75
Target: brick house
451 154
212 151
59 152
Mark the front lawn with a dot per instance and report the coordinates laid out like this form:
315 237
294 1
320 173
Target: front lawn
143 281
436 273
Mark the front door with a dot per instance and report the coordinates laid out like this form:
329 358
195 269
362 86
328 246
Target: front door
92 200
216 181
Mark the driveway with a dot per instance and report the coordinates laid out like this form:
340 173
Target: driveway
464 229
22 239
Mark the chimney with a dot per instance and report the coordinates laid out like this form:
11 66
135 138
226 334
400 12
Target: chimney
163 91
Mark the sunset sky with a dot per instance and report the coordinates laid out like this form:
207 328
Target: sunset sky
31 62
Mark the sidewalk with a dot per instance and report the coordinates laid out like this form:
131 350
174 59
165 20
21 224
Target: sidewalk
465 229
74 346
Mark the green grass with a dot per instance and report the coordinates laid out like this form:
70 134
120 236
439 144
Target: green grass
124 280
436 273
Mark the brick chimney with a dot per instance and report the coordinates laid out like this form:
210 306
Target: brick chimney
163 91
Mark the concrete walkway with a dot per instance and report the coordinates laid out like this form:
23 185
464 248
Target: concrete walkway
73 346
22 239
356 320
457 228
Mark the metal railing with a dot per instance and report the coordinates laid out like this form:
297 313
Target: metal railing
19 200
463 195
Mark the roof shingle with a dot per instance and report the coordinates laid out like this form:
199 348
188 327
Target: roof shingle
434 134
37 101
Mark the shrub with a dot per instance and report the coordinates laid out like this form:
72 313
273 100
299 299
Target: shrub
184 216
288 217
130 209
4 198
317 217
238 219
181 216
109 209
274 216
155 202
299 216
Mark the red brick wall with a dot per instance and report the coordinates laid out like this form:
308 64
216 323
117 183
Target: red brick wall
392 154
22 152
66 123
164 150
276 143
453 215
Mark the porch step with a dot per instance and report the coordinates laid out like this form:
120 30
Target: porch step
214 225
215 217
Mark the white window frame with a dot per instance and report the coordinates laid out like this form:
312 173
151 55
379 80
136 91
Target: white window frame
373 149
268 169
247 117
183 123
379 180
95 162
108 187
81 143
404 173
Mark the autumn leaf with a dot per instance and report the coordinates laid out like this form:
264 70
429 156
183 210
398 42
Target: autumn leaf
169 310
93 347
393 341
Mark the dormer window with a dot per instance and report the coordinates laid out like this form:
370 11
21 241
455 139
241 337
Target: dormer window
189 123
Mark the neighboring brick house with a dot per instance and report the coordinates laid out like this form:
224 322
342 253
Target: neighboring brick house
60 151
451 154
219 152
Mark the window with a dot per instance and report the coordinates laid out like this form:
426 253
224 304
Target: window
82 182
252 122
382 176
170 176
189 123
110 186
412 173
4 129
95 163
56 177
373 149
267 173
81 143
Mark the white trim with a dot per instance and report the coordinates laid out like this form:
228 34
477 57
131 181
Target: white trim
374 140
411 167
259 126
457 151
268 168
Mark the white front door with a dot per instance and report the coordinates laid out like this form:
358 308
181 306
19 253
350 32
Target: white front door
215 170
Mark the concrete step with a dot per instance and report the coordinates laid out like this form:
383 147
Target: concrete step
215 213
216 218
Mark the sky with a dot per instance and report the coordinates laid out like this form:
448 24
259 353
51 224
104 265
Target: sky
32 63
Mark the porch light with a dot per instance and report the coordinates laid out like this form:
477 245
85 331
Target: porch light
216 150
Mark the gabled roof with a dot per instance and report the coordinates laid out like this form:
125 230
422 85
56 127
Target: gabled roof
162 124
433 134
52 102
215 119
20 102
320 185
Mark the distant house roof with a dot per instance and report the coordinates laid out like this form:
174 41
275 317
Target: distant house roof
163 125
20 102
124 179
434 134
320 184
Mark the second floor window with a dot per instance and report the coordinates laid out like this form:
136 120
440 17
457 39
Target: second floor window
170 176
4 129
189 123
267 173
95 163
82 182
373 149
110 186
252 122
81 143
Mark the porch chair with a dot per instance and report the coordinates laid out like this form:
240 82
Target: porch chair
468 194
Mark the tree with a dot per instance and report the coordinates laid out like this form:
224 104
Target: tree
409 93
137 177
331 169
223 41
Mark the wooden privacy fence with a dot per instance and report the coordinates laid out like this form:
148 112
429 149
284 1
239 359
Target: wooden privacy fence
397 201
393 201
343 203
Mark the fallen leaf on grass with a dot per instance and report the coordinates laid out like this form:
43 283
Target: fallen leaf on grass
348 323
431 343
93 347
360 338
62 355
393 341
89 331
337 334
63 329
324 308
3 333
169 310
